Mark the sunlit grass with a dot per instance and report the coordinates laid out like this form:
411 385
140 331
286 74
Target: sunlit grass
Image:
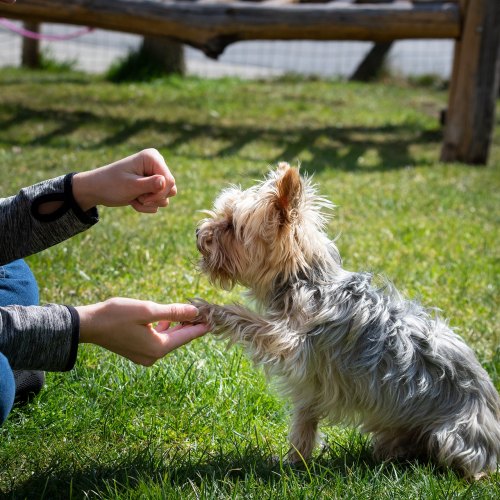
203 423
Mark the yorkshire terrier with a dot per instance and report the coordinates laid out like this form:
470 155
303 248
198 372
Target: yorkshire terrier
346 350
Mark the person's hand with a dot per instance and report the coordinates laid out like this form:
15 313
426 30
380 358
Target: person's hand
142 180
125 326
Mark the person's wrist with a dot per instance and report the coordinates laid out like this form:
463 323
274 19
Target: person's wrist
89 333
84 190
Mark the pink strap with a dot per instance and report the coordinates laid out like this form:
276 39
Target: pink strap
38 36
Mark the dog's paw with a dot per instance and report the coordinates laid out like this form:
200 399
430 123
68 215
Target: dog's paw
205 311
295 460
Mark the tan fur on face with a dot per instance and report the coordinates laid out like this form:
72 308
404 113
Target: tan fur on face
346 351
255 233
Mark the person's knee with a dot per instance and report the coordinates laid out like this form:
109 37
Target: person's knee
7 388
18 286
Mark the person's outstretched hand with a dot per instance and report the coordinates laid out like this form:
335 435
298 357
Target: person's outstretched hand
142 180
125 326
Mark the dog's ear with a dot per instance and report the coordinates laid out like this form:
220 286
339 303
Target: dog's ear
289 192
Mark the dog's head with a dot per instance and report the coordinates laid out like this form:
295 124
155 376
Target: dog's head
271 230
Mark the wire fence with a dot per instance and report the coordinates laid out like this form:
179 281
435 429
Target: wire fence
96 51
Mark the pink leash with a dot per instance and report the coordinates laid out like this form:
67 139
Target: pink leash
38 36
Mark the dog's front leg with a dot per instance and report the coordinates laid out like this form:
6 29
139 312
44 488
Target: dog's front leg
266 340
304 435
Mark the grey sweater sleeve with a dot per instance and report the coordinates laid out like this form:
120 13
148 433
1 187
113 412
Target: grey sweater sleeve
40 337
24 231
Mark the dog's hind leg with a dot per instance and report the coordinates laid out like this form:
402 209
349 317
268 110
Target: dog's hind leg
471 448
397 444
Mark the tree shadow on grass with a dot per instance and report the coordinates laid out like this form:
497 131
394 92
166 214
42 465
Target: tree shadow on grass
350 148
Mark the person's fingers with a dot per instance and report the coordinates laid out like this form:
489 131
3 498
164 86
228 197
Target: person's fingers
159 198
171 312
154 201
164 325
173 190
149 184
177 337
145 209
154 163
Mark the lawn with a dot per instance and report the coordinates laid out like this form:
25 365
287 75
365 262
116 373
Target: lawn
203 422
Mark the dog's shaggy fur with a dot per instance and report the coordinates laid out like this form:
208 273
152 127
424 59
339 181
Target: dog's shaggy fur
347 351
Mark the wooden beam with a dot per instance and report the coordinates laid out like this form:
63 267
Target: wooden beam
212 27
474 85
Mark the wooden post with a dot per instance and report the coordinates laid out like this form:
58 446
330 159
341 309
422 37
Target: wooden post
167 54
474 84
30 57
371 66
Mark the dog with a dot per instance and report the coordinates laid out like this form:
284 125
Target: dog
347 351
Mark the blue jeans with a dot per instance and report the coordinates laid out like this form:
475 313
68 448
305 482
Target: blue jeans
7 388
17 287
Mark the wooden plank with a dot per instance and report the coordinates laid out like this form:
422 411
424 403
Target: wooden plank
211 27
474 85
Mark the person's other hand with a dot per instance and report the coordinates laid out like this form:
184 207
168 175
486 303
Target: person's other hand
126 327
142 180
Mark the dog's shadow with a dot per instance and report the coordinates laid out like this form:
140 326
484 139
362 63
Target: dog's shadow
334 462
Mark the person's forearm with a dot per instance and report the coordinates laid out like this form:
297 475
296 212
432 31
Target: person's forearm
28 224
39 338
84 190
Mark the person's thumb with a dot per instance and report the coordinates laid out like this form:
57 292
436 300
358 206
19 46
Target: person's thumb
151 184
172 312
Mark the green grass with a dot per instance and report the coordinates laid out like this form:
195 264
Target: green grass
203 423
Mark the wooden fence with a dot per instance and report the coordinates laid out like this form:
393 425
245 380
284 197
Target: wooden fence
212 25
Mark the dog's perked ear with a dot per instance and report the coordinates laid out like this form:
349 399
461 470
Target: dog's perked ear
289 192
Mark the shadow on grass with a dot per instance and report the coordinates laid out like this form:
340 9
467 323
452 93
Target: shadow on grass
176 473
173 470
45 76
325 146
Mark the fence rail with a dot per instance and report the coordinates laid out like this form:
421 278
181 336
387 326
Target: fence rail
212 26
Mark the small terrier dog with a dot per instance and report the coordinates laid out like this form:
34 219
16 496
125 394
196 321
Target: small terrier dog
346 351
